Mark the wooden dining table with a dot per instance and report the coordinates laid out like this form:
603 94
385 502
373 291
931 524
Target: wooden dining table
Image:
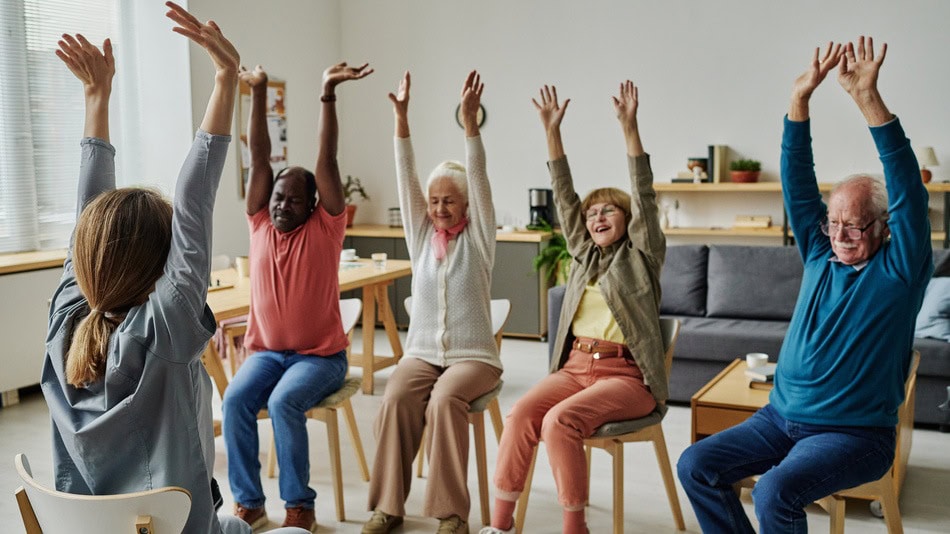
229 296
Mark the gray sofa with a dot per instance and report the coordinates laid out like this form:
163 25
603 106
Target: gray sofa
737 299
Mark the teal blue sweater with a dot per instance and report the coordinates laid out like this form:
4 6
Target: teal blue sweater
848 347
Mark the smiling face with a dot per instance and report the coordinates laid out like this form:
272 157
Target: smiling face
606 223
291 202
851 207
446 204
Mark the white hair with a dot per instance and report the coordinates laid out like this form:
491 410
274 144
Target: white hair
877 197
452 170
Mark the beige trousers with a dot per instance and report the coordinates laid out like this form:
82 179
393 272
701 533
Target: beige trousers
419 394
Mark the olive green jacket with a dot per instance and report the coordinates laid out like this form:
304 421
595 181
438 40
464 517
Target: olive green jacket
627 271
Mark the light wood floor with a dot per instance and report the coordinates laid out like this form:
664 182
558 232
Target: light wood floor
925 503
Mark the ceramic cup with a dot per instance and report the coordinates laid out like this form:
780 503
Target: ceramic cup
756 359
348 254
243 266
379 260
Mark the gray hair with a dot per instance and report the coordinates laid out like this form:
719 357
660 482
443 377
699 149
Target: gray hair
877 197
452 170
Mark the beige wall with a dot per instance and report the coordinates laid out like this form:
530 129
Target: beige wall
710 72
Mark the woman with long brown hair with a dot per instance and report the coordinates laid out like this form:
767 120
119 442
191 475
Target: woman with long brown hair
127 393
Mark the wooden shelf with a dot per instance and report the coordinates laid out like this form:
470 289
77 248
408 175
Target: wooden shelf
773 231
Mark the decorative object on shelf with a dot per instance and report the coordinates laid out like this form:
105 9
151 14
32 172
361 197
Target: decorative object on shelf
926 156
395 218
351 188
698 168
752 221
718 156
480 116
744 170
554 261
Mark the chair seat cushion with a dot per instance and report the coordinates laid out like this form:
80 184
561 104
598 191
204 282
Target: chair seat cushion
617 428
479 404
350 387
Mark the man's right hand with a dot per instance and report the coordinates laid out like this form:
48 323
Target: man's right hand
806 84
254 78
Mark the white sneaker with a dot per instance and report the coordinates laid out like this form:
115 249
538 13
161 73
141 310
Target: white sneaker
493 530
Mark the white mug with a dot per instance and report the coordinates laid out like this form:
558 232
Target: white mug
348 254
756 359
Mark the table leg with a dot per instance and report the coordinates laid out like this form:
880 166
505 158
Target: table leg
212 363
388 318
369 331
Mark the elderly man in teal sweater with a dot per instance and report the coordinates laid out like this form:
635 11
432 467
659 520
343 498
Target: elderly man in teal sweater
830 424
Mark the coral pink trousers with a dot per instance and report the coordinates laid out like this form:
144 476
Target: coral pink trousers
563 409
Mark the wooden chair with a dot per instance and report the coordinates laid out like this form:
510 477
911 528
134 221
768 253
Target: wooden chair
612 436
500 310
47 511
326 411
886 489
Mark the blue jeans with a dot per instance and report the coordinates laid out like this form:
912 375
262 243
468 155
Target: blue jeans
801 463
289 384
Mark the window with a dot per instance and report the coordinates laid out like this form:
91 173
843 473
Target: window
41 117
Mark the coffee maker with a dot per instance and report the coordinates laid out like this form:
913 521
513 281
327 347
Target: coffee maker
541 206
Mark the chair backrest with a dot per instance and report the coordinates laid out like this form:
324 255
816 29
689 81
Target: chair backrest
500 311
47 511
671 330
349 312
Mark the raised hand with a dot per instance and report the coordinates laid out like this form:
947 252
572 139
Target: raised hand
806 84
207 35
625 104
94 68
400 100
253 78
858 72
550 112
340 73
471 101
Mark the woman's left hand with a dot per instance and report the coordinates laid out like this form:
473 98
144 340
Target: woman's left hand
626 104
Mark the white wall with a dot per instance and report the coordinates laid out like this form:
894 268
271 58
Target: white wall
711 72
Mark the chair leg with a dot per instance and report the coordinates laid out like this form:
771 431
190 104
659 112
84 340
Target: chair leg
616 450
892 512
494 410
522 509
481 464
663 459
835 506
272 458
421 454
336 470
355 438
587 451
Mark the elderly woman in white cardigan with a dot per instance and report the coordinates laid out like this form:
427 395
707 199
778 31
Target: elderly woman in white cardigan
451 357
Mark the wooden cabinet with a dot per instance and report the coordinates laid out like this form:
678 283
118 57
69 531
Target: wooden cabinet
513 277
778 231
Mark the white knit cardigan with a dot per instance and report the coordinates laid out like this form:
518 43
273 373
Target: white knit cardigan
451 306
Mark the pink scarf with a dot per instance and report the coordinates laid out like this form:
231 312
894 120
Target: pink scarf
440 239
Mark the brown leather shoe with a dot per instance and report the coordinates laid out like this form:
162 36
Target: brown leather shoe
256 517
301 517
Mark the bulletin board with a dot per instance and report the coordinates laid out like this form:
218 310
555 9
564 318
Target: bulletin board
276 128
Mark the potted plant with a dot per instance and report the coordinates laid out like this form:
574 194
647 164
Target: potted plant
744 170
352 187
554 260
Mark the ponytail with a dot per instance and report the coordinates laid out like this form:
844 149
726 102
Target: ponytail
89 349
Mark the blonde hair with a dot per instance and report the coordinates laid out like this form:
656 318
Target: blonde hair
120 246
607 195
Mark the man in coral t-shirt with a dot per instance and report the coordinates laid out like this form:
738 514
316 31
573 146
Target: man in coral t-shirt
294 335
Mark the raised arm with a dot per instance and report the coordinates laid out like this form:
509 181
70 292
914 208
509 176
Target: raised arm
481 210
551 115
261 179
626 105
806 84
95 69
857 74
328 171
400 102
412 200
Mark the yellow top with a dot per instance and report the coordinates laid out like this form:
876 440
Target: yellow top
593 317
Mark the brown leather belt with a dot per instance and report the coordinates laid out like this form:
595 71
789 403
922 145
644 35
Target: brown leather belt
601 348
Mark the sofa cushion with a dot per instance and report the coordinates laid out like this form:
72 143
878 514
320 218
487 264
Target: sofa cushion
934 358
723 340
683 280
933 320
941 262
750 282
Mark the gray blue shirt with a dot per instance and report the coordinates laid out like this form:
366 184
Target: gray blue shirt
147 423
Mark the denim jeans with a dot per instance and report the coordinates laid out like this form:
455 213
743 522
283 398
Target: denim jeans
799 463
289 384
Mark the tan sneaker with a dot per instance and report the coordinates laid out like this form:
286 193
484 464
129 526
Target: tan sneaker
381 523
256 517
301 517
452 525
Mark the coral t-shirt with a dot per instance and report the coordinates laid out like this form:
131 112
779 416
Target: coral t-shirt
295 287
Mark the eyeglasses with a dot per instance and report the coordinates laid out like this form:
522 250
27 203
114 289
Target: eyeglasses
852 232
606 211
